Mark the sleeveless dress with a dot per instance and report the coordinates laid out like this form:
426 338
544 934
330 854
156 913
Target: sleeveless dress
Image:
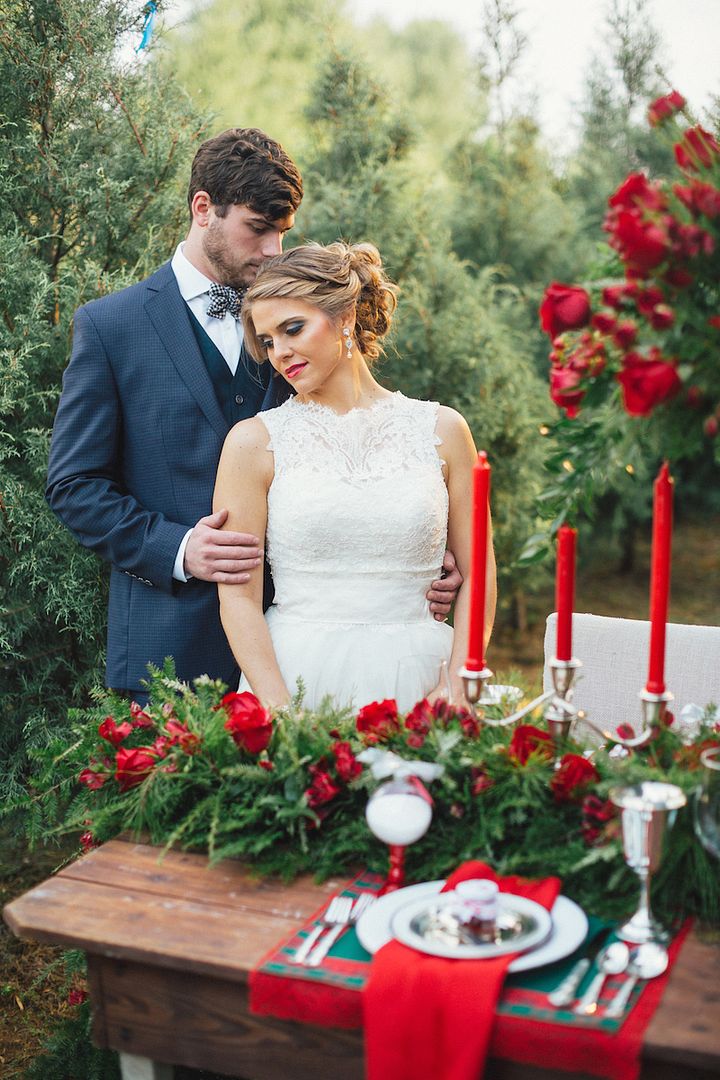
356 533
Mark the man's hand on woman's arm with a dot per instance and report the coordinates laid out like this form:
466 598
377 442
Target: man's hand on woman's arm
442 593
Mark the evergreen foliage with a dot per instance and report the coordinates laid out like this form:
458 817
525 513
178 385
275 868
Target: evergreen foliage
90 148
174 774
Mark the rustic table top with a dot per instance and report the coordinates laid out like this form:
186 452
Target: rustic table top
121 903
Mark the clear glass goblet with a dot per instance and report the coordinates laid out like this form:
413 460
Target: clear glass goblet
417 676
706 805
398 812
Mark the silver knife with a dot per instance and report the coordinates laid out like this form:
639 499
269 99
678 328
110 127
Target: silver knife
564 994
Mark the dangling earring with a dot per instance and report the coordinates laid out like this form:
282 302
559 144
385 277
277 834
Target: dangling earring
348 342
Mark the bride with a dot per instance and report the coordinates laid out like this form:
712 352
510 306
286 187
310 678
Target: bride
357 490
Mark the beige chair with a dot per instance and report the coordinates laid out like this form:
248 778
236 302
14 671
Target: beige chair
614 655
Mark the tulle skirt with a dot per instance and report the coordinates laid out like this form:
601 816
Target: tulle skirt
356 663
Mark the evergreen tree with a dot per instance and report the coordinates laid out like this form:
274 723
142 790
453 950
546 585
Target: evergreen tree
453 338
93 146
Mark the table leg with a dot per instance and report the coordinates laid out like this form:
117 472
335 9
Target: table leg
134 1067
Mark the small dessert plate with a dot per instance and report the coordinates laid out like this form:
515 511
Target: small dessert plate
431 925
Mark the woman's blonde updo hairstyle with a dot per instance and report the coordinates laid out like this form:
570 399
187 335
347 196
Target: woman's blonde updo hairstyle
333 277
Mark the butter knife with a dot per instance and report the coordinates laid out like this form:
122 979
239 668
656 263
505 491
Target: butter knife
564 994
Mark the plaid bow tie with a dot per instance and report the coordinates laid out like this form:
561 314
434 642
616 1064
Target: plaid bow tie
224 298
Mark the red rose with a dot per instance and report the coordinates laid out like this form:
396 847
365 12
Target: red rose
711 426
604 321
641 244
93 780
114 733
596 814
625 333
646 300
87 841
575 772
378 720
322 789
696 148
481 782
637 192
346 763
249 724
181 736
614 295
647 382
699 198
77 997
139 717
564 307
527 740
420 718
132 766
564 382
664 107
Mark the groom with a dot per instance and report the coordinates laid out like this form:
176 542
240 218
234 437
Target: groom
157 377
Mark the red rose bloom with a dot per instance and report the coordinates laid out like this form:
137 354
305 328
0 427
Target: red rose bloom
574 774
664 107
564 382
625 333
697 148
322 789
114 733
181 736
139 718
637 192
77 997
528 739
641 244
346 763
564 307
420 718
481 782
93 780
614 295
699 198
378 720
249 724
604 321
596 814
647 382
132 766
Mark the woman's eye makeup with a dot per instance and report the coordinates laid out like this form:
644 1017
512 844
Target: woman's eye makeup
265 343
294 328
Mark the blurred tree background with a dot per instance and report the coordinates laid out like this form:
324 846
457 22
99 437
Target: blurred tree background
406 137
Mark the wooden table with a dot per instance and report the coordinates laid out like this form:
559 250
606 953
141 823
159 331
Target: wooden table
170 945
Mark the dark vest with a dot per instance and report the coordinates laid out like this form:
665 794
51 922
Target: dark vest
240 395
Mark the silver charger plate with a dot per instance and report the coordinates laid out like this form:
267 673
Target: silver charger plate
522 924
569 926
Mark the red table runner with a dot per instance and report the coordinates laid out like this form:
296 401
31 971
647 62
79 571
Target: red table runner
527 1030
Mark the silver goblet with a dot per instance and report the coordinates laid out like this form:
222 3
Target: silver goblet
706 808
646 810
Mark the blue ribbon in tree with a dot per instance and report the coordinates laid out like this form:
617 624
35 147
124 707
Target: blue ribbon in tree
150 13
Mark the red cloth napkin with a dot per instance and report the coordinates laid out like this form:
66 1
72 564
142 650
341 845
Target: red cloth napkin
430 1017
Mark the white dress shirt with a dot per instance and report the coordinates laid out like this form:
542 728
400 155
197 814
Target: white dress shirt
225 333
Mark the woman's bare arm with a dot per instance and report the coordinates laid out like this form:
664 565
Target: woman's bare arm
243 479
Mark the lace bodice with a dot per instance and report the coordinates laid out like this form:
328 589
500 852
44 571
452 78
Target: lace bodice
357 510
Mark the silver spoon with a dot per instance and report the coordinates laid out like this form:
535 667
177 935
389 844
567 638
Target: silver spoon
612 960
646 962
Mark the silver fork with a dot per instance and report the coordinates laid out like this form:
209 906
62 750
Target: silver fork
337 911
362 903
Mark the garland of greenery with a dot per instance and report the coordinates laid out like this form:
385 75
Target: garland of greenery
203 769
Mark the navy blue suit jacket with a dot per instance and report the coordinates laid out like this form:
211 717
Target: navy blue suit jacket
135 449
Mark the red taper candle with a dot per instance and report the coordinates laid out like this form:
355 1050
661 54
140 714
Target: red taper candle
660 577
478 565
565 591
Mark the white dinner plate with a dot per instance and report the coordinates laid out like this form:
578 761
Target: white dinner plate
531 924
569 926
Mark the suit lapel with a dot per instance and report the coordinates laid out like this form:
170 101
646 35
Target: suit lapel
168 313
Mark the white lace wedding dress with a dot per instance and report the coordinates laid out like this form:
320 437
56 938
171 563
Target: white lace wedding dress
356 532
